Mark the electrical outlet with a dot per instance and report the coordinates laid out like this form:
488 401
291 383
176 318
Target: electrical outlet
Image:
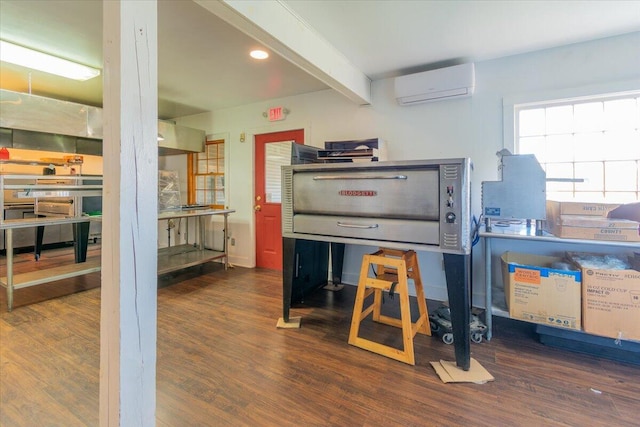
233 241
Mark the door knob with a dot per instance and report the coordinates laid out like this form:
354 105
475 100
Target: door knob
257 208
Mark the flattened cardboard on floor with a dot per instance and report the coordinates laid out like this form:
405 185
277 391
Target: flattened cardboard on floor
450 373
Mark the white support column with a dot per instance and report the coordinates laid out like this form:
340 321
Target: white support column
129 229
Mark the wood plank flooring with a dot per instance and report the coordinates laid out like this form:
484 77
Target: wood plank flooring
222 362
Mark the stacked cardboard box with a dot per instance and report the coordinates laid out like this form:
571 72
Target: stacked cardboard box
542 289
589 221
610 295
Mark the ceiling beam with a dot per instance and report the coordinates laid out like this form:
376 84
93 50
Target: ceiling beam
281 30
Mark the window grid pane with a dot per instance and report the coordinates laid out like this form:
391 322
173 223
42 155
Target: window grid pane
596 140
209 175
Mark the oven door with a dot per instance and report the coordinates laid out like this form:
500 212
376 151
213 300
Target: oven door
399 194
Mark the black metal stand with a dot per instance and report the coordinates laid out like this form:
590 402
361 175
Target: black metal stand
337 261
310 276
288 271
458 274
39 237
80 240
457 270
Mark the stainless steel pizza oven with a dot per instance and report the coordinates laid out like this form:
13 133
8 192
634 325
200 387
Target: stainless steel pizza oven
421 204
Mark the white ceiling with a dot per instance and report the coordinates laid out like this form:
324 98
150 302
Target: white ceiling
203 63
385 38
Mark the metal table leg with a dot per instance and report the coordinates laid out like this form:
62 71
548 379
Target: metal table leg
201 232
488 300
225 247
39 239
9 242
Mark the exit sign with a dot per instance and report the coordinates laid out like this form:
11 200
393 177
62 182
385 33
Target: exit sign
275 114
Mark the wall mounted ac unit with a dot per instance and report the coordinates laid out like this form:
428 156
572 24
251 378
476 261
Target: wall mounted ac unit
436 85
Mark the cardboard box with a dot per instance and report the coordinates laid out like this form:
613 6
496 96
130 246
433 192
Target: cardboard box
610 296
537 292
595 228
581 208
590 227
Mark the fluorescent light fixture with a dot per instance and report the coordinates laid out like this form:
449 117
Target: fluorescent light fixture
259 54
19 55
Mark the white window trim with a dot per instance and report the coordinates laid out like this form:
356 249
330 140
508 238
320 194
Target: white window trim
509 102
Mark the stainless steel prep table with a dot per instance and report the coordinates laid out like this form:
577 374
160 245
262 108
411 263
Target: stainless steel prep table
38 277
169 259
523 233
187 255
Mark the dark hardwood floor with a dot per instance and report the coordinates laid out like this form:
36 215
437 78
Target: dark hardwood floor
222 362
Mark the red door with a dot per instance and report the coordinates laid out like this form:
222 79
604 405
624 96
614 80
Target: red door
268 213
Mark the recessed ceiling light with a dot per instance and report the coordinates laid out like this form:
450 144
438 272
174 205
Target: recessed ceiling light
259 54
25 57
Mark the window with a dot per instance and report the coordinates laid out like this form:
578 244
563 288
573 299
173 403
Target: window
277 154
206 175
595 140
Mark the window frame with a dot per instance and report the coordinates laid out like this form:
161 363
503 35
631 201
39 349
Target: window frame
513 105
509 101
193 173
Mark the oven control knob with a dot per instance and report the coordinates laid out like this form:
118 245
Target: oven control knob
450 217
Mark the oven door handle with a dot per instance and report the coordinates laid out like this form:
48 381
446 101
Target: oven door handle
334 177
342 224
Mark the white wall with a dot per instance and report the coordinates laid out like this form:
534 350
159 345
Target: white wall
471 127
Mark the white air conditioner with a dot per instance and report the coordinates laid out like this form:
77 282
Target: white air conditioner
436 85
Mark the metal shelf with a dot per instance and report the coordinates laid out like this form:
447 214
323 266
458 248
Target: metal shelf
345 154
169 259
190 254
38 277
184 256
28 186
33 163
521 232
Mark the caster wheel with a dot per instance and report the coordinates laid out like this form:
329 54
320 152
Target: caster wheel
434 327
476 338
447 338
